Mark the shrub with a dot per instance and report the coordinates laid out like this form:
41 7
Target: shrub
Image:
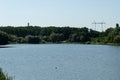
117 39
4 76
33 39
3 38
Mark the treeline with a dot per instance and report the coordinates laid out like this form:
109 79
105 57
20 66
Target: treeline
111 35
36 34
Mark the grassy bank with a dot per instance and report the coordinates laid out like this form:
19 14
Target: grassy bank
4 76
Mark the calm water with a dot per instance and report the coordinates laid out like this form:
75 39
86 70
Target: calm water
61 62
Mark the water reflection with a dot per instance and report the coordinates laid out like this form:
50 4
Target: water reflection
5 46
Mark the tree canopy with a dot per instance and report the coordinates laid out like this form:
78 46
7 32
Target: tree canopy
52 34
3 38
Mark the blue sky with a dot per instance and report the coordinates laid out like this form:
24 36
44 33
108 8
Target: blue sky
75 13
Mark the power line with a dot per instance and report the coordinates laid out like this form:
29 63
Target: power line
99 23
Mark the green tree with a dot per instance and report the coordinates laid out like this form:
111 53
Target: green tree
93 33
3 38
33 39
117 39
55 37
117 25
74 38
45 38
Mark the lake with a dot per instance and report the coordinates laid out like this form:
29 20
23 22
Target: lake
61 62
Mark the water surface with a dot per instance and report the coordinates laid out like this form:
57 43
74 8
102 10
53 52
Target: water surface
61 62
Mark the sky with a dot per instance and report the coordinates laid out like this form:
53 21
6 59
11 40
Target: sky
74 13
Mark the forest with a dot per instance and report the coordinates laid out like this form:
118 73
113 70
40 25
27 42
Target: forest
52 34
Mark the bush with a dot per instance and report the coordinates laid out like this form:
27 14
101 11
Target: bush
4 76
33 39
74 38
3 38
55 37
117 39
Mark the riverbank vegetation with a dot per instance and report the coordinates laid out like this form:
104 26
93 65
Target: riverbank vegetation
3 76
52 34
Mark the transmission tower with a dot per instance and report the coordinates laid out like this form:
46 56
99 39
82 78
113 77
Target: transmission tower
95 23
99 23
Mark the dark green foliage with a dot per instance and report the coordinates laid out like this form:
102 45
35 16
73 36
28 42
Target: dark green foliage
33 39
3 76
112 35
45 38
58 34
108 31
117 39
117 25
49 34
55 37
75 38
3 38
93 33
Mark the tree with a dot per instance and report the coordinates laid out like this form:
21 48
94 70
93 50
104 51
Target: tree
109 30
45 38
74 38
33 39
117 39
93 33
55 37
3 38
117 25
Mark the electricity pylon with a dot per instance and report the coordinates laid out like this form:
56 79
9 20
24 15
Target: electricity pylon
99 23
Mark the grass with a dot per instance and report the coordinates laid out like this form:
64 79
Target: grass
4 76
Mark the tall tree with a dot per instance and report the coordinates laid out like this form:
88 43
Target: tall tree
3 38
